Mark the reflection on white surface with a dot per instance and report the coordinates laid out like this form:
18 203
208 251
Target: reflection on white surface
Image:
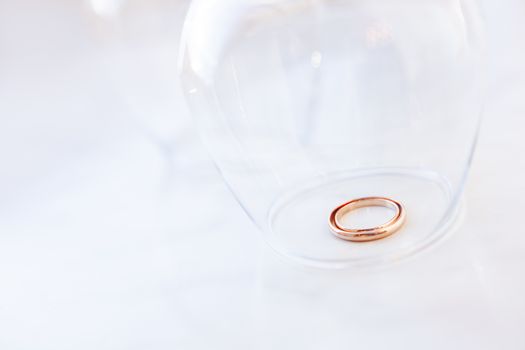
101 245
378 34
106 8
317 59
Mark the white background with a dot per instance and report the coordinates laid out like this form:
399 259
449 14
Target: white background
117 233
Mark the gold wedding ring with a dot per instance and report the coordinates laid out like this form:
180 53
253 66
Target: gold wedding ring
367 234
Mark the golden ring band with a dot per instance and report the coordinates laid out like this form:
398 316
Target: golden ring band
367 234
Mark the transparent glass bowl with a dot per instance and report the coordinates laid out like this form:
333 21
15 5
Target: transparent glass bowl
305 105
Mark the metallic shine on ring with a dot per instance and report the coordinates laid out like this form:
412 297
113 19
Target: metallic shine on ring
367 234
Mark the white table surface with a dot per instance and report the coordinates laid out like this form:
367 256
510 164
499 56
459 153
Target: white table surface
101 245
